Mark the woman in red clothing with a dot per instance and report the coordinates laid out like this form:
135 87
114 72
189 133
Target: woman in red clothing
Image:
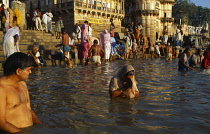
206 61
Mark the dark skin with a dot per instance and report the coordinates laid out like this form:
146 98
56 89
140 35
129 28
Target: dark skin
127 85
16 40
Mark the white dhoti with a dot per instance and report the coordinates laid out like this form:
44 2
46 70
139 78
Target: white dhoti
9 48
107 50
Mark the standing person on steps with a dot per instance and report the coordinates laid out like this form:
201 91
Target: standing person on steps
49 20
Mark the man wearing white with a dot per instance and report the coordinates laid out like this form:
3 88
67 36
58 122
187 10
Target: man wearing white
178 36
44 20
11 41
49 20
38 20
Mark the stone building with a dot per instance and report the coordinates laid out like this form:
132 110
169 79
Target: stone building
97 12
154 15
41 4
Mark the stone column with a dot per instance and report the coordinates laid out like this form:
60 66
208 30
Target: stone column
21 7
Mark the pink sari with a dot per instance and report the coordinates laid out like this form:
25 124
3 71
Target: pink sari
85 46
84 32
105 41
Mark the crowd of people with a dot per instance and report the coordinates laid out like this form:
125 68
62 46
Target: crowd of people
16 112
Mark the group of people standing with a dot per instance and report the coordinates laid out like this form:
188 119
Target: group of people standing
37 20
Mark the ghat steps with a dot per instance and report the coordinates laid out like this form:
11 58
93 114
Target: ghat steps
45 42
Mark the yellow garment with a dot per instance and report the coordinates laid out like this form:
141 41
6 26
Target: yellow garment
19 16
3 19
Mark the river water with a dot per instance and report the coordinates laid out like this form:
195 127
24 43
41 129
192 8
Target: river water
76 100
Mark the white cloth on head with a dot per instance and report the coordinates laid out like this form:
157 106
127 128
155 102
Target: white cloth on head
8 41
117 82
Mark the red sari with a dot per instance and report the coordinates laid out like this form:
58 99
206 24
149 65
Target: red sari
206 61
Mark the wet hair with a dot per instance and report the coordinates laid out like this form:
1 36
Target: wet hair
95 41
15 61
63 30
86 21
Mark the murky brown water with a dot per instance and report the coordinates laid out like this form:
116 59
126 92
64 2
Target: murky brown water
77 101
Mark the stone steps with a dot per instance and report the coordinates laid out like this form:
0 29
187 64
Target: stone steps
45 42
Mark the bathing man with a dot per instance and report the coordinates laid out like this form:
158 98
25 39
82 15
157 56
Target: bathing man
65 47
95 52
15 109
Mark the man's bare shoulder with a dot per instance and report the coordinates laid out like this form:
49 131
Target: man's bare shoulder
2 84
23 83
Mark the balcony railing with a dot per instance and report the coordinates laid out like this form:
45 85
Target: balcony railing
166 0
64 5
167 19
146 11
86 5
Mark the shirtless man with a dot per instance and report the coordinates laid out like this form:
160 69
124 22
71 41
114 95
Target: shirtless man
16 112
144 46
169 51
95 51
65 47
151 47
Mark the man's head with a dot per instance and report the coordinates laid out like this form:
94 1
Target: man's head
187 51
95 42
63 30
86 22
49 10
17 62
34 49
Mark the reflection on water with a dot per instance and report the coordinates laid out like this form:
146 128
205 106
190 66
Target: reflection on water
77 101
